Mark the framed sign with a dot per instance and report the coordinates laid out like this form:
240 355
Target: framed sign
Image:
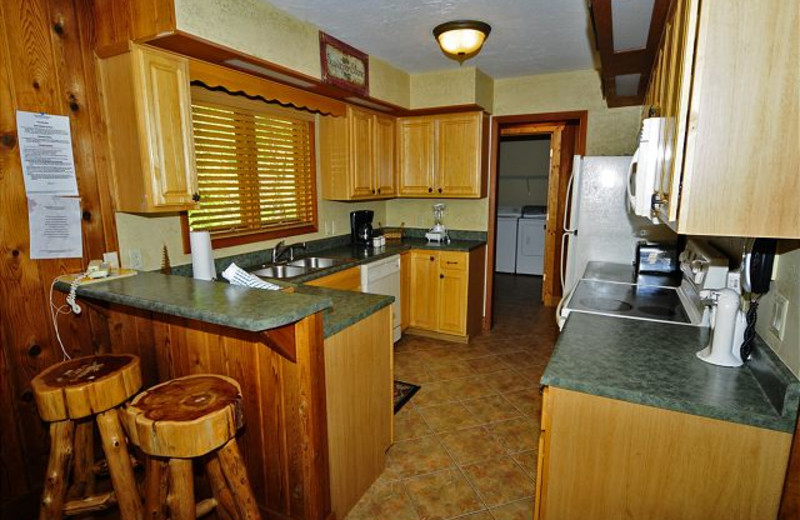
343 65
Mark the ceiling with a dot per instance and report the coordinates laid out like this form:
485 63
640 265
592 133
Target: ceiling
528 36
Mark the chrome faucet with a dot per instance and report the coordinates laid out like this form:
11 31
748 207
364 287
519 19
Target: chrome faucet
281 248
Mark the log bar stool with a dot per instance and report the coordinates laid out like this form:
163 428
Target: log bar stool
71 396
183 419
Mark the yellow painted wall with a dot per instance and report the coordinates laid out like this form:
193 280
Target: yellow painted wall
389 83
611 131
470 215
442 88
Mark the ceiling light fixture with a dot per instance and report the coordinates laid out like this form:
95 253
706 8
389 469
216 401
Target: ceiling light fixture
461 39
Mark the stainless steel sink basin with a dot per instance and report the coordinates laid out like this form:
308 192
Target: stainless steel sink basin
316 262
280 271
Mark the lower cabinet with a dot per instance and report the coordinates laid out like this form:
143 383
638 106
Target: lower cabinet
446 292
347 280
359 391
601 458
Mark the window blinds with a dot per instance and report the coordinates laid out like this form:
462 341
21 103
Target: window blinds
255 166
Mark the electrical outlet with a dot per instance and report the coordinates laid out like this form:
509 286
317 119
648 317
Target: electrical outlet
135 258
333 227
780 309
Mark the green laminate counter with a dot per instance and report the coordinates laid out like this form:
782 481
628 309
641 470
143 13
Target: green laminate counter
252 310
654 364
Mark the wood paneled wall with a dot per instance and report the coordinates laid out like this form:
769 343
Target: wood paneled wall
46 65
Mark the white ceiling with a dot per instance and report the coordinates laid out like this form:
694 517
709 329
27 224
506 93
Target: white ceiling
528 36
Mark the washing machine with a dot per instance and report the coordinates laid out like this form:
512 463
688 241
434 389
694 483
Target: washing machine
531 229
506 257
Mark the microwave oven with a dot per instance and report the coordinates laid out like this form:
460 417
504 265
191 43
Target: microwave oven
643 171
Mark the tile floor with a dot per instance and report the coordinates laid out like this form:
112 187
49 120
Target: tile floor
466 444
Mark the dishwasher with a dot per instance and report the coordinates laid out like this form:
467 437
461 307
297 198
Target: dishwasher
383 277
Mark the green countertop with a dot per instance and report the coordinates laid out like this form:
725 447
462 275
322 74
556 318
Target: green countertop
654 364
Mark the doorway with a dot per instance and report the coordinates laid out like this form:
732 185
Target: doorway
562 135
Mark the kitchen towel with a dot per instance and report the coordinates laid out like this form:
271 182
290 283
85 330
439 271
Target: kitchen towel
202 255
238 276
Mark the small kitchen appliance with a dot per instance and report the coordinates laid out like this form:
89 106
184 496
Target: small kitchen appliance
361 227
438 233
657 263
643 170
728 323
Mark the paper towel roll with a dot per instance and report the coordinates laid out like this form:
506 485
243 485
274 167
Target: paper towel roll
202 255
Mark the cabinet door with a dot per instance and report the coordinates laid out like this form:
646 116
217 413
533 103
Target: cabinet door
383 156
163 87
425 286
405 290
459 171
453 300
361 144
416 149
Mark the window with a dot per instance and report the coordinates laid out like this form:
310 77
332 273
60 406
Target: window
255 169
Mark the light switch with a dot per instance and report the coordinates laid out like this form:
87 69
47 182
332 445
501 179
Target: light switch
780 309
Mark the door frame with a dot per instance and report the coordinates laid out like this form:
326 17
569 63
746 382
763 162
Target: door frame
578 119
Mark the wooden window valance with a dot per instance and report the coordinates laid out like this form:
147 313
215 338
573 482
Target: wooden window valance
216 77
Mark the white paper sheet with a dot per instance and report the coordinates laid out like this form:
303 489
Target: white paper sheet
45 146
55 227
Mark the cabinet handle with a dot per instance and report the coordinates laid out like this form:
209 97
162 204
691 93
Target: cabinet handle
450 262
441 276
379 191
373 192
430 190
196 197
440 190
432 259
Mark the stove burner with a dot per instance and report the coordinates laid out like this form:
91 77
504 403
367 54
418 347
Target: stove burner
652 310
606 304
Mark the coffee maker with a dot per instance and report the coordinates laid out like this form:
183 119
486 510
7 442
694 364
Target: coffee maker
361 227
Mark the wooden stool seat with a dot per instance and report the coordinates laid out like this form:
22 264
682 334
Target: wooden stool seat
186 418
86 386
72 396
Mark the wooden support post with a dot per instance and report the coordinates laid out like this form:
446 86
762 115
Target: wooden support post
181 490
55 484
119 465
236 475
155 493
227 509
83 469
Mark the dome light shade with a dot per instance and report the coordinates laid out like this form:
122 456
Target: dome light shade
461 39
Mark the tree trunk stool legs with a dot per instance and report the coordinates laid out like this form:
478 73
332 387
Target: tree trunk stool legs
184 419
72 396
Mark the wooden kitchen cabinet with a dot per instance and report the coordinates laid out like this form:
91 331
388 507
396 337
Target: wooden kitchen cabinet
147 105
443 156
729 155
446 293
347 280
357 156
601 458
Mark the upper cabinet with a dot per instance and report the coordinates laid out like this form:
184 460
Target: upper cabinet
357 156
443 156
147 106
730 155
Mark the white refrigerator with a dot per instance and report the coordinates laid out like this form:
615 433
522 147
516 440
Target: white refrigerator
597 223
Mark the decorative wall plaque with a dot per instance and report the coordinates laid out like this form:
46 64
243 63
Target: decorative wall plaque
343 65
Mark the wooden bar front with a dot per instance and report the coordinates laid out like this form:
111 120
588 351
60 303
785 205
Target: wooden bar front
284 442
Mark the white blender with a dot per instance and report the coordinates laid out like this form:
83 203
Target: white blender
438 233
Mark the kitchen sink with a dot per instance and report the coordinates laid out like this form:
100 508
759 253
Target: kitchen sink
280 271
316 262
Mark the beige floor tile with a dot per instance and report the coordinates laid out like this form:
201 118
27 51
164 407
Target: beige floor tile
491 409
446 417
449 369
408 424
416 457
444 494
488 364
473 387
499 481
528 401
517 435
511 380
472 445
528 460
436 393
384 499
482 515
520 510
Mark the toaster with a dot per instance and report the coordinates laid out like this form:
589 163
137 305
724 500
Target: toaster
657 263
